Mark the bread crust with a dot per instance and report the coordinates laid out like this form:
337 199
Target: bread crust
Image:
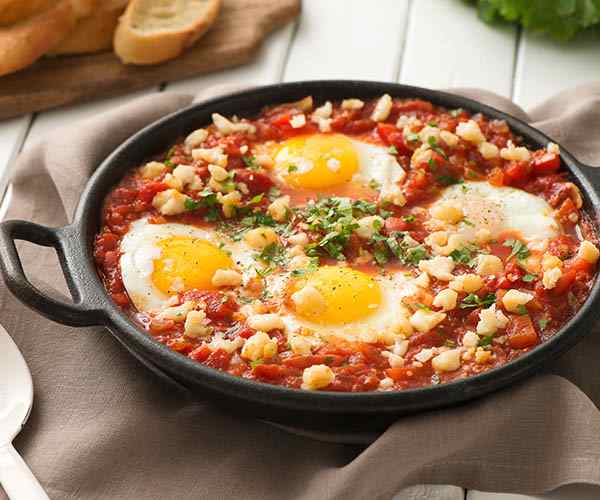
134 47
15 11
23 43
94 33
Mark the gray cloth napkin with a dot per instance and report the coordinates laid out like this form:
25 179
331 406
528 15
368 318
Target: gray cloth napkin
103 427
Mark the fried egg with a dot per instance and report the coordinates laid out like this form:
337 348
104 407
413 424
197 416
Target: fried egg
356 303
323 161
159 261
501 209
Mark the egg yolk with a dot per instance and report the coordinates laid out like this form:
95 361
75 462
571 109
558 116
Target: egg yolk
317 161
349 295
187 263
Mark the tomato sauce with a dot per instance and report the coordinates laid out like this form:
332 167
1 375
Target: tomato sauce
362 365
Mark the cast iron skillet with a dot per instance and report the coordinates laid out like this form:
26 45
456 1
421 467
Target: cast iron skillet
311 410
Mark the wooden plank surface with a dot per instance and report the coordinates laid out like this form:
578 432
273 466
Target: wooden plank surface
347 39
448 46
233 40
545 67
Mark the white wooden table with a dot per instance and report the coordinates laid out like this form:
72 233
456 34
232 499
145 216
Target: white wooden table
431 43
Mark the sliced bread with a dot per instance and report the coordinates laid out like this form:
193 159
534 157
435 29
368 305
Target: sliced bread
23 43
92 34
154 31
15 11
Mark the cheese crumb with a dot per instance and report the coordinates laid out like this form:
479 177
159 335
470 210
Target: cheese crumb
211 155
317 377
447 212
170 202
152 170
470 132
488 265
352 104
489 150
228 127
368 226
513 300
446 299
513 153
588 252
424 321
309 301
226 277
551 277
382 109
300 345
470 339
449 138
438 267
279 208
298 121
447 361
195 139
266 322
261 237
490 321
259 346
195 325
467 283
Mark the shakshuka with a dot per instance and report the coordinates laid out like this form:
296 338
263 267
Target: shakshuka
360 245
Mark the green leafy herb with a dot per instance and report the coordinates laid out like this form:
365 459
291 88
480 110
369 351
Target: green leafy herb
256 199
543 323
393 150
292 168
528 278
432 124
485 341
433 144
472 301
456 112
464 255
255 363
311 268
190 204
560 19
467 222
273 254
518 249
251 162
423 307
448 180
432 164
409 219
522 309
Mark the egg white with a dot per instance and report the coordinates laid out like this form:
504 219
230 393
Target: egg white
376 164
139 250
500 209
394 286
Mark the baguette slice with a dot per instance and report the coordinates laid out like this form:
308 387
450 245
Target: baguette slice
154 31
23 43
15 11
92 34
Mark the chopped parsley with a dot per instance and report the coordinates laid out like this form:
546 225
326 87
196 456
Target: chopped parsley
423 307
311 268
522 309
473 300
518 249
208 200
292 168
273 254
409 219
485 341
528 278
464 255
448 180
255 363
543 323
393 150
456 112
251 162
374 184
256 199
433 144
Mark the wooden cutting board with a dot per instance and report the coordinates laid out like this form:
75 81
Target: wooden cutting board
233 40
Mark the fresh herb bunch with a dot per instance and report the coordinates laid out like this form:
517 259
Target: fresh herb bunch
561 19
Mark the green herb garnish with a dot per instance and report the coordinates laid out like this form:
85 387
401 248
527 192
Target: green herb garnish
472 300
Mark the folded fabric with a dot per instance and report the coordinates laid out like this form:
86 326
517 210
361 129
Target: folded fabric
105 427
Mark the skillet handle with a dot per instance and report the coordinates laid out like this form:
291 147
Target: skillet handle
85 310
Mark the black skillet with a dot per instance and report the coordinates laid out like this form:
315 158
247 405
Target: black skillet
310 410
